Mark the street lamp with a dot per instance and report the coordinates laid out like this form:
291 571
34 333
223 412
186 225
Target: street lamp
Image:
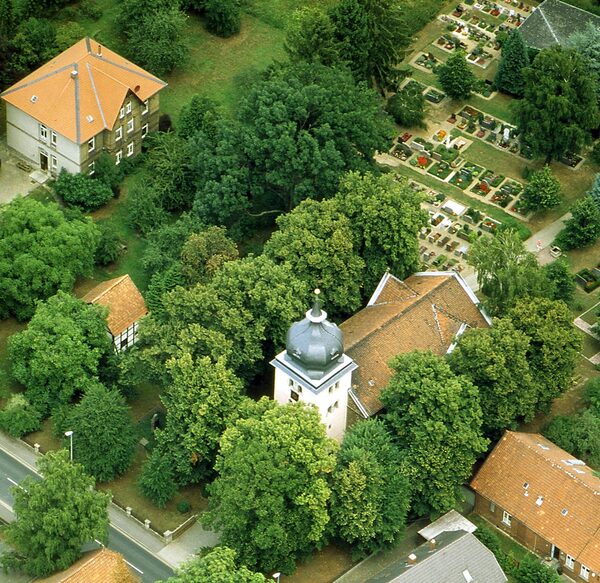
276 576
69 434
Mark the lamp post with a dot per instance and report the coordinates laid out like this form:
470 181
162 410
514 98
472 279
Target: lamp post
69 434
276 576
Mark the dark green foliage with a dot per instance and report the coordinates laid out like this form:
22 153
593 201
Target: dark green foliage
218 564
156 480
578 434
371 496
594 193
509 77
108 172
161 283
407 108
559 104
583 228
532 570
110 245
144 209
310 36
67 34
32 45
592 395
82 191
60 420
595 153
201 113
542 191
104 436
491 540
41 251
55 516
435 418
19 417
223 17
587 44
560 279
183 507
456 77
61 351
90 9
270 498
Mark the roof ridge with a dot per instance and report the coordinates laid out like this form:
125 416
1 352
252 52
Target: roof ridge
547 23
116 281
89 70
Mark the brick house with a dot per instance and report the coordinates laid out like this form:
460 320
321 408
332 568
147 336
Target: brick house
545 499
125 308
83 102
427 311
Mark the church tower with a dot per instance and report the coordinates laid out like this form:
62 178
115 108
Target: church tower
314 369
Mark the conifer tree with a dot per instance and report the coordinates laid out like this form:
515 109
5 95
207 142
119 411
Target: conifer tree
509 77
594 193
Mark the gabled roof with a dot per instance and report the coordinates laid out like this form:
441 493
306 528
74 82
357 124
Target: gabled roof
122 298
101 566
79 93
424 312
450 521
456 555
543 486
553 22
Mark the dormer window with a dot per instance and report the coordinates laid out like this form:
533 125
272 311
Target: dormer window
525 485
540 500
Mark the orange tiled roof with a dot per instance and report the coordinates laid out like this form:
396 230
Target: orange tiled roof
122 298
101 566
569 514
79 93
425 312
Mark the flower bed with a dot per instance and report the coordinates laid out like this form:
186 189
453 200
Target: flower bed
447 154
462 179
493 179
502 198
512 187
427 145
423 162
428 61
440 170
434 96
482 188
473 169
414 87
472 216
489 225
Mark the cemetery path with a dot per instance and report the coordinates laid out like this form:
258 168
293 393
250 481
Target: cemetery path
541 240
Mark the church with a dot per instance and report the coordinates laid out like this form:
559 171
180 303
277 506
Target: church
342 370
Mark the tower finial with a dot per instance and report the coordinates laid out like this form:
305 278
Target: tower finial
316 310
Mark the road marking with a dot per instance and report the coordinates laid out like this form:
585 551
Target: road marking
21 461
142 546
15 483
134 567
7 506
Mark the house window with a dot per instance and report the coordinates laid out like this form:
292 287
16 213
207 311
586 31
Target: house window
294 396
506 517
92 168
584 573
144 130
570 562
130 149
145 110
91 144
43 132
128 107
336 405
118 157
122 113
118 133
129 126
291 382
492 507
53 138
54 162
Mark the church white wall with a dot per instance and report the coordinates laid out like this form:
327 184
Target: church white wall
331 401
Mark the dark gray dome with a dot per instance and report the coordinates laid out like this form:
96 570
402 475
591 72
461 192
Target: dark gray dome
315 344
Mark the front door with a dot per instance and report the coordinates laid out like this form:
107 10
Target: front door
44 161
555 552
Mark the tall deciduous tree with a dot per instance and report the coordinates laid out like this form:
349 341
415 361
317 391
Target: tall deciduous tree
456 77
436 419
408 108
55 516
41 251
514 58
495 360
554 347
506 271
561 279
370 496
223 17
542 191
559 105
583 228
310 37
103 433
315 242
218 564
385 218
62 350
270 498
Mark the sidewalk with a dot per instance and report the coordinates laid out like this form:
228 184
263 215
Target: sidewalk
175 553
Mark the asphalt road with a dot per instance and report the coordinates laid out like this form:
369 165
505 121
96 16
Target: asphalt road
147 566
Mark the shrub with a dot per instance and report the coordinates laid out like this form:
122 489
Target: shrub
82 191
184 507
542 192
144 211
595 153
223 17
408 109
156 480
60 419
164 123
19 417
110 245
108 172
90 9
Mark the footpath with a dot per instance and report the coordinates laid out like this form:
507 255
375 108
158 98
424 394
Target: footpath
174 553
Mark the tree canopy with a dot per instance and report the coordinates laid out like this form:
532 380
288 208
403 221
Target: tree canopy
270 497
55 516
436 419
514 58
62 350
583 228
542 192
559 105
456 77
42 250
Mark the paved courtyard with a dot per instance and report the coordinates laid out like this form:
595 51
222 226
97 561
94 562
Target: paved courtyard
14 180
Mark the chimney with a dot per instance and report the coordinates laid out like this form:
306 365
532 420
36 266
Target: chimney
74 74
432 544
99 53
412 559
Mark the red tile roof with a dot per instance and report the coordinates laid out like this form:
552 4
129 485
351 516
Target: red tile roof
79 93
425 312
567 515
122 298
